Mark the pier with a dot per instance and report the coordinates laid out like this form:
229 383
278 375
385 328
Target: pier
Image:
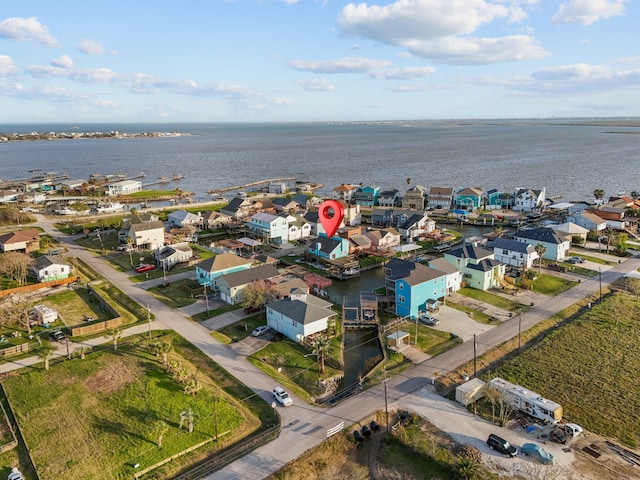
250 184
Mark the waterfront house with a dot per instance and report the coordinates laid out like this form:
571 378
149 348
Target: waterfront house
305 201
440 197
65 186
589 221
345 192
468 198
146 235
32 197
352 215
415 226
232 286
182 218
556 246
25 241
271 228
498 200
285 205
170 255
359 243
238 208
480 270
512 252
327 248
188 233
383 238
381 217
529 200
285 286
263 204
453 275
299 316
390 198
579 207
576 233
212 219
299 228
616 218
415 198
124 187
48 268
316 225
416 288
8 196
208 270
366 196
277 188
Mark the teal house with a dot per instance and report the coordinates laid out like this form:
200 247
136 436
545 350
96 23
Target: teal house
417 288
497 200
329 248
468 199
367 196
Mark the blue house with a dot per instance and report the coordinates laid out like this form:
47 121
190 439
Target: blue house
367 196
209 270
498 200
468 198
416 287
329 248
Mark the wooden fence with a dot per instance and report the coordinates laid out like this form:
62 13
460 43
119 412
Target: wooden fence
15 349
95 327
38 286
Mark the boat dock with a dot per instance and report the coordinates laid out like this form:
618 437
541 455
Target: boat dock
250 184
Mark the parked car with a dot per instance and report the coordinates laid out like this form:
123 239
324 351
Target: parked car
428 320
145 267
124 248
500 444
252 309
539 453
57 335
259 331
574 260
281 395
15 474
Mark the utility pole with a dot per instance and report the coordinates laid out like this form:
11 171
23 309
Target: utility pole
149 321
386 406
475 347
600 277
519 329
206 297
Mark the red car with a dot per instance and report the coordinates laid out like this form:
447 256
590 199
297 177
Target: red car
145 268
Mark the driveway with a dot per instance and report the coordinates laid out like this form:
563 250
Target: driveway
459 323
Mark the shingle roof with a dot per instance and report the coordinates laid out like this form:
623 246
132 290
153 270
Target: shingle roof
468 250
301 312
146 226
543 234
513 245
223 261
46 261
244 277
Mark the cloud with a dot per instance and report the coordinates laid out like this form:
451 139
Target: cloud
341 65
63 61
316 85
472 51
26 30
587 12
408 73
441 30
7 66
91 47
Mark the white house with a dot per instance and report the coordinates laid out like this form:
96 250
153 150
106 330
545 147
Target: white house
146 235
299 228
124 187
345 192
453 275
383 237
182 218
170 255
513 253
528 200
7 196
416 225
270 227
299 315
556 246
48 268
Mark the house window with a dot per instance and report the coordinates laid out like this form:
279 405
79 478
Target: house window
401 286
401 298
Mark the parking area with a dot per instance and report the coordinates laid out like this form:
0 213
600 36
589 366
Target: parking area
459 323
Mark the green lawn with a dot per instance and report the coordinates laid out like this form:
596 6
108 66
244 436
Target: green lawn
476 315
174 294
96 418
239 330
551 285
590 366
430 340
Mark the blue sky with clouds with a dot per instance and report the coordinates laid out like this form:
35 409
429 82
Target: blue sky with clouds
301 60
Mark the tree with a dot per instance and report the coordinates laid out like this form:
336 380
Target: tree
82 351
162 349
160 428
409 181
17 309
598 194
498 403
633 284
621 243
466 469
540 250
259 292
321 347
187 419
45 353
499 231
114 335
15 266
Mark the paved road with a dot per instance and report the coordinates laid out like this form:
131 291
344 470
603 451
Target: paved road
304 426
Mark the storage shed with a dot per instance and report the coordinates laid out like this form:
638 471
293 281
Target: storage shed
470 391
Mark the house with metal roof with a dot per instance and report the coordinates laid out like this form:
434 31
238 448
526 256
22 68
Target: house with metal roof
299 316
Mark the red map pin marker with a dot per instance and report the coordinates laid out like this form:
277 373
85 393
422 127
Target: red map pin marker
331 223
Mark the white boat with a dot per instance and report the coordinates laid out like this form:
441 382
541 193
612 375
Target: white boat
66 211
109 207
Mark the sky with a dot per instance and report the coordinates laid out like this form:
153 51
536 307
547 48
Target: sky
306 60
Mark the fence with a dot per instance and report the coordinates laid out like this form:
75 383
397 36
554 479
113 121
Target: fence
15 349
38 286
95 327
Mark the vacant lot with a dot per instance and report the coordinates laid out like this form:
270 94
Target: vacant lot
96 418
590 367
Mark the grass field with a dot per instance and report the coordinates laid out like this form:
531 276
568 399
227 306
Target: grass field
590 366
96 418
551 285
492 299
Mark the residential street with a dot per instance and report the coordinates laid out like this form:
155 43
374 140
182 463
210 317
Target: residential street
304 426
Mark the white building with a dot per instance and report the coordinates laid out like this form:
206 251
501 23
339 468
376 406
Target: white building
299 316
124 187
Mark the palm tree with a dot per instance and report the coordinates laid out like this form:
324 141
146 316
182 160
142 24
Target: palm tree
160 429
114 334
82 351
188 418
45 353
466 469
499 231
598 193
540 250
321 347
